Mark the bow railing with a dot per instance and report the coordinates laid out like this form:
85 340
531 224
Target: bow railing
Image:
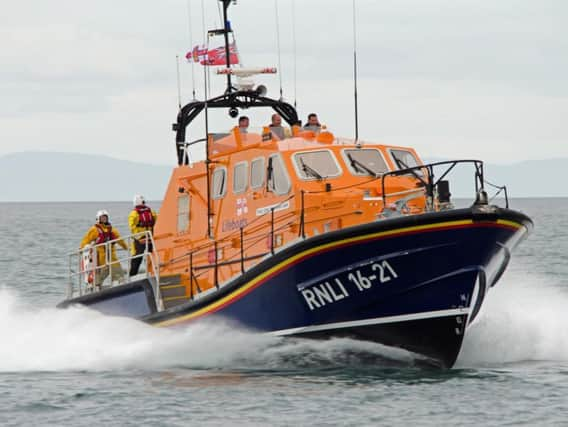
88 273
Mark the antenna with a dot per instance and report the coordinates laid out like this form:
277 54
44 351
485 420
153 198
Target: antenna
189 29
355 74
278 45
178 83
294 42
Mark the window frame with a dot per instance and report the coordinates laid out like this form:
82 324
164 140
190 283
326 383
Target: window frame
353 172
246 176
183 214
299 172
418 166
224 193
262 159
288 180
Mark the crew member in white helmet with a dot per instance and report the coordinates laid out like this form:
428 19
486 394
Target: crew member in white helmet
141 219
99 234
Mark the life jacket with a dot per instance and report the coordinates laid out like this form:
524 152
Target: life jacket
104 236
145 217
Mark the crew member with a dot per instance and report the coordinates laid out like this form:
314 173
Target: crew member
313 123
141 219
100 234
277 128
243 124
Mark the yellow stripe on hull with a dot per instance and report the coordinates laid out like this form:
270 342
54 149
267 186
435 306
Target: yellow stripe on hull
283 264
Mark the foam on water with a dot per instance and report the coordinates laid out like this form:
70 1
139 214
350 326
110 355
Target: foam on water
524 319
50 339
81 339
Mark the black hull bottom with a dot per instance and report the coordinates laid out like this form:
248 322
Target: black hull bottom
438 338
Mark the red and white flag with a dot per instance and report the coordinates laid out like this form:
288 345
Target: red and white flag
197 54
214 56
218 56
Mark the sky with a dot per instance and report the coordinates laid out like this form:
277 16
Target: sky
451 78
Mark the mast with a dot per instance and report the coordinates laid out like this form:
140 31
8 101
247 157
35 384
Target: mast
234 98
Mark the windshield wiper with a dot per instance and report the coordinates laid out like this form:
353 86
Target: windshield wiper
360 166
269 173
308 170
400 163
403 165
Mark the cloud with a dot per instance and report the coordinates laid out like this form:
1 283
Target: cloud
451 78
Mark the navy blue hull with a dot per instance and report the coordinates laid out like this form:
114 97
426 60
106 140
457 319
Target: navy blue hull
411 282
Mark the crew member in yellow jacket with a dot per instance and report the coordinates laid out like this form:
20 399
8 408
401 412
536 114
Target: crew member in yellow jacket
141 219
102 232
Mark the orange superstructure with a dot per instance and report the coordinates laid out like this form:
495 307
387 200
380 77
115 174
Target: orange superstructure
266 193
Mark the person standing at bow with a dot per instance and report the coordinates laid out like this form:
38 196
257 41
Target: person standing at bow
141 219
100 234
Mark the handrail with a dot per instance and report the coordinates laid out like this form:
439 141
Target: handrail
431 183
250 236
77 275
231 235
240 256
499 189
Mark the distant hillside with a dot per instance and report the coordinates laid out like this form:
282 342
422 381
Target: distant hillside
44 176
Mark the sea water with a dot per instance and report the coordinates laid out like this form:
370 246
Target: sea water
77 367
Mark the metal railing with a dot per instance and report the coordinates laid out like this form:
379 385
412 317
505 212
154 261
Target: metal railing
244 244
240 241
426 175
93 276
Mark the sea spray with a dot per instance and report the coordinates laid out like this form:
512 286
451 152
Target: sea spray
524 319
81 339
77 338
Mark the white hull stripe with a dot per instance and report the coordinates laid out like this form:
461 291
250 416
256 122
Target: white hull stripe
375 321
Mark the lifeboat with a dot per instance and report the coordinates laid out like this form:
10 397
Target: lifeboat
315 236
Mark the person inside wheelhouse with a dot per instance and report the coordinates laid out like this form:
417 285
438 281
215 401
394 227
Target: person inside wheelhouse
276 127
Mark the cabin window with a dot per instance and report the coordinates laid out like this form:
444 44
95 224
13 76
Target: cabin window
240 177
365 161
277 175
316 165
403 159
257 173
183 213
219 188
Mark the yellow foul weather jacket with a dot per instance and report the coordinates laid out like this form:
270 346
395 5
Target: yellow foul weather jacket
100 233
136 227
